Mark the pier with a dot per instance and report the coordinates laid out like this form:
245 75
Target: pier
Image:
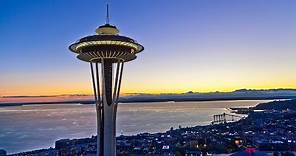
224 118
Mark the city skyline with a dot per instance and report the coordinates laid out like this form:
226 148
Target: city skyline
200 46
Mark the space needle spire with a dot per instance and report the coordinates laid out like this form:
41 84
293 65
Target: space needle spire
107 14
108 50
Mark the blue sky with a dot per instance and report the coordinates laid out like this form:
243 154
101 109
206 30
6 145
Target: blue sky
199 45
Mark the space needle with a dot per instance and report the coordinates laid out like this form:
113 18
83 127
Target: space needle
106 52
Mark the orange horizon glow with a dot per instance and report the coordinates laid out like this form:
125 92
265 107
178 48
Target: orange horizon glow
48 96
165 83
37 92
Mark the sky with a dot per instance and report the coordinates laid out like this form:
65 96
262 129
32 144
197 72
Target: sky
190 45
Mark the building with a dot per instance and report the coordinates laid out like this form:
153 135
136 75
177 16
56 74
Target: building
108 49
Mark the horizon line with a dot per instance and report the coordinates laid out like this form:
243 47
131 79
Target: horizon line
141 93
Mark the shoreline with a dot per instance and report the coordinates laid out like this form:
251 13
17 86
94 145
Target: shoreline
210 132
139 134
153 130
209 125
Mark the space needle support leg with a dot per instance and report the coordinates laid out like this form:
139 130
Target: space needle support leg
114 101
99 109
119 85
116 98
116 82
97 101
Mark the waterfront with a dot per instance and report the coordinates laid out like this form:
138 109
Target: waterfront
39 126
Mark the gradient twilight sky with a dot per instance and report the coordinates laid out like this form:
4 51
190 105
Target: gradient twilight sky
198 45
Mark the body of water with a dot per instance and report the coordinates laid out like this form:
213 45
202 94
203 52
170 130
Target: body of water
30 127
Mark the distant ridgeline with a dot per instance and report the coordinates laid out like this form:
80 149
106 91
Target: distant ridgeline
277 105
242 94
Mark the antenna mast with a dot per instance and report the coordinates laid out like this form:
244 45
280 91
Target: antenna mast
107 14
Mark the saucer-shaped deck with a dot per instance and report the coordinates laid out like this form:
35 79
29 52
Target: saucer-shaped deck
106 45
